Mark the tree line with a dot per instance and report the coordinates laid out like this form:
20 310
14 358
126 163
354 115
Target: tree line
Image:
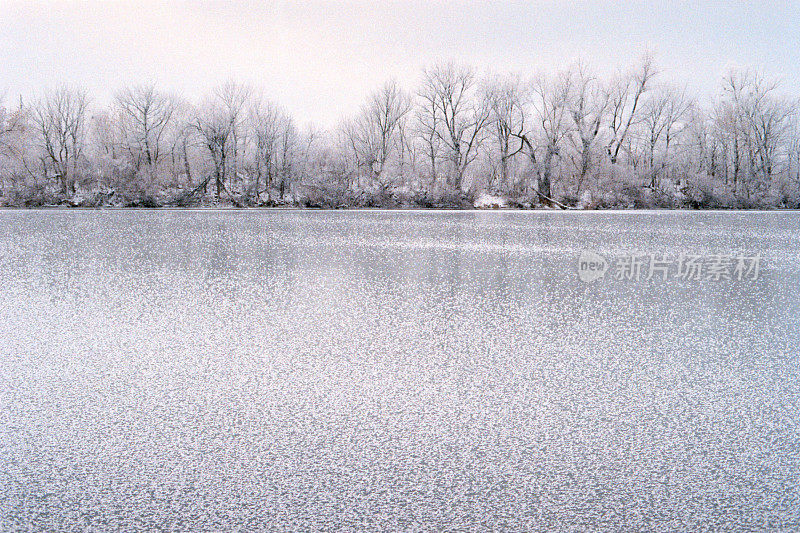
569 139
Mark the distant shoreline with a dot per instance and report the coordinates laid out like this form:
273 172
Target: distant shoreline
401 208
389 201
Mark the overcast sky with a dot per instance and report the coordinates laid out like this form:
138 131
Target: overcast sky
319 59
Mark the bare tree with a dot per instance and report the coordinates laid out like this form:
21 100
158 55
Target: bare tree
374 136
662 121
624 96
753 123
793 158
219 125
552 107
276 146
507 98
19 153
182 140
587 107
408 152
287 156
427 122
768 116
8 123
61 119
460 116
145 116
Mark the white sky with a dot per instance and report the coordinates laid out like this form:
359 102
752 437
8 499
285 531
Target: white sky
320 59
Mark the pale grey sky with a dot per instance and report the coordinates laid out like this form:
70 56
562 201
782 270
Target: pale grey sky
319 59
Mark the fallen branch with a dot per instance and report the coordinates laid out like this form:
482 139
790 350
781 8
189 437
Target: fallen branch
193 194
559 204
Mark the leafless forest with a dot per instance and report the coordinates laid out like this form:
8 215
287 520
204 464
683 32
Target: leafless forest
564 139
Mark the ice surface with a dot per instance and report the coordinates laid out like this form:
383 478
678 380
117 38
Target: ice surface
206 370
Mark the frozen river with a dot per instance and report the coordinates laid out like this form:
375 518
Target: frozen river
373 370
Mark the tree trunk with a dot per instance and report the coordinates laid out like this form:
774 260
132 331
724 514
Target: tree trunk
544 178
186 163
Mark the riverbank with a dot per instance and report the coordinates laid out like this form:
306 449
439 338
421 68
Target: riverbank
361 200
